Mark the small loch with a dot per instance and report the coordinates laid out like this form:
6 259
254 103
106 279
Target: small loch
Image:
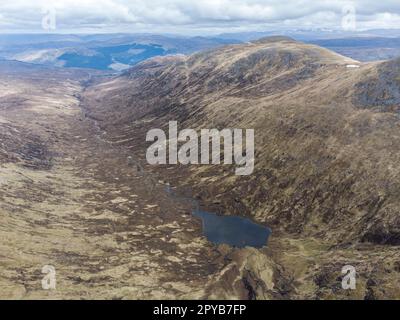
232 230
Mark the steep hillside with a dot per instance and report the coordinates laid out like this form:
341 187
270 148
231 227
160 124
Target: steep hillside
327 149
380 88
73 201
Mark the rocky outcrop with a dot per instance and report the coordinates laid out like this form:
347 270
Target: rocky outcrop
250 275
381 88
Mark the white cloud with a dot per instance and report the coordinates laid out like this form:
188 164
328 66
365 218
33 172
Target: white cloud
181 15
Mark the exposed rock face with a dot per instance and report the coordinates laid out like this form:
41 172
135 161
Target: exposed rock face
327 157
381 88
251 274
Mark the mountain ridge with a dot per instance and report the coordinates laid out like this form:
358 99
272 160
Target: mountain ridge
325 170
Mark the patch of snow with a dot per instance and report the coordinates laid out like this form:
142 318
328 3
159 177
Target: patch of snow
119 66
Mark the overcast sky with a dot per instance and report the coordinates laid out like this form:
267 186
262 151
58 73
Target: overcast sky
194 16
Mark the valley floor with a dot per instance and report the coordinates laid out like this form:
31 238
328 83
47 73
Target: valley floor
72 200
108 230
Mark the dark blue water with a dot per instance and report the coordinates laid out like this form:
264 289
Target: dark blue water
231 230
234 231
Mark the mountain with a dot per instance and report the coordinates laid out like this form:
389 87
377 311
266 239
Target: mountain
77 193
119 52
102 52
327 156
366 48
370 45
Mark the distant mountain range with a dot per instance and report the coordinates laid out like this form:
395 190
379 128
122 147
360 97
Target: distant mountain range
368 45
103 52
363 48
117 52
